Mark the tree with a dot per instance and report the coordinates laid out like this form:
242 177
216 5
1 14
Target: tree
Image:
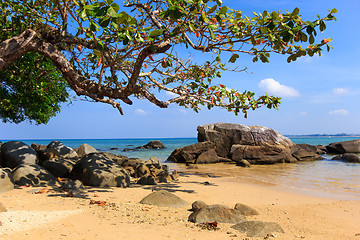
110 53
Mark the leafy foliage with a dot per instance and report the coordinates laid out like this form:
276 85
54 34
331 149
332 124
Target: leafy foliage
135 49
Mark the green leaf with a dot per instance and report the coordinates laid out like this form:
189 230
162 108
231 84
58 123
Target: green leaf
234 57
223 10
295 12
115 7
213 9
212 33
311 39
334 10
156 33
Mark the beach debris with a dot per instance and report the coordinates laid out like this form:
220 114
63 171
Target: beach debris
208 226
258 228
42 190
98 202
201 212
95 195
70 194
163 198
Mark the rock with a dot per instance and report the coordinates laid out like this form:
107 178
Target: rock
163 199
64 151
243 163
348 157
2 208
38 147
246 210
141 170
147 180
59 167
174 175
209 156
34 175
132 162
225 135
306 152
73 186
47 154
257 228
164 177
153 161
85 149
352 146
130 171
15 153
156 144
215 213
189 154
96 169
6 181
128 150
119 159
261 154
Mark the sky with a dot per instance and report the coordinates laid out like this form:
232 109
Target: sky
319 94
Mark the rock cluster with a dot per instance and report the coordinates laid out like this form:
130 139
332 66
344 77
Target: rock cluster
245 145
41 165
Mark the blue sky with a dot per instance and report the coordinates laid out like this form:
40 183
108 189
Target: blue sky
320 94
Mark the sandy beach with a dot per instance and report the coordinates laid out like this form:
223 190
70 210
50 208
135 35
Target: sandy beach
53 215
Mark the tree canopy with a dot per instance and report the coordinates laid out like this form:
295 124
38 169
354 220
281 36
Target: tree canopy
112 53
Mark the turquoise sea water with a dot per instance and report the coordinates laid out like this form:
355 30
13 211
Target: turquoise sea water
326 176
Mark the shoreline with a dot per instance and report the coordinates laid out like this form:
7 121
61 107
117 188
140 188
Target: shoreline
301 216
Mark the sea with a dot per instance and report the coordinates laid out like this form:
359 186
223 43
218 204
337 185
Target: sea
326 177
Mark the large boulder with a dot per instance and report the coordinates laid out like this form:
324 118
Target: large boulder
47 154
96 169
64 151
352 146
209 156
189 154
14 153
6 180
263 145
215 213
34 175
84 149
59 167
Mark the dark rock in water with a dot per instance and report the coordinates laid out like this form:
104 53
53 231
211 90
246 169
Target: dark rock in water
64 151
38 147
128 150
96 169
59 167
352 146
85 149
243 163
163 199
257 228
147 180
209 156
156 144
214 213
15 153
34 175
47 154
114 148
189 154
6 180
348 157
246 210
225 135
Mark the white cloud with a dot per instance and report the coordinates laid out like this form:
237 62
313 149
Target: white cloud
340 91
341 112
140 112
171 94
273 87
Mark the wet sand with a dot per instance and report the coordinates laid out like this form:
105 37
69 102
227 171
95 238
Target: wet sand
52 215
